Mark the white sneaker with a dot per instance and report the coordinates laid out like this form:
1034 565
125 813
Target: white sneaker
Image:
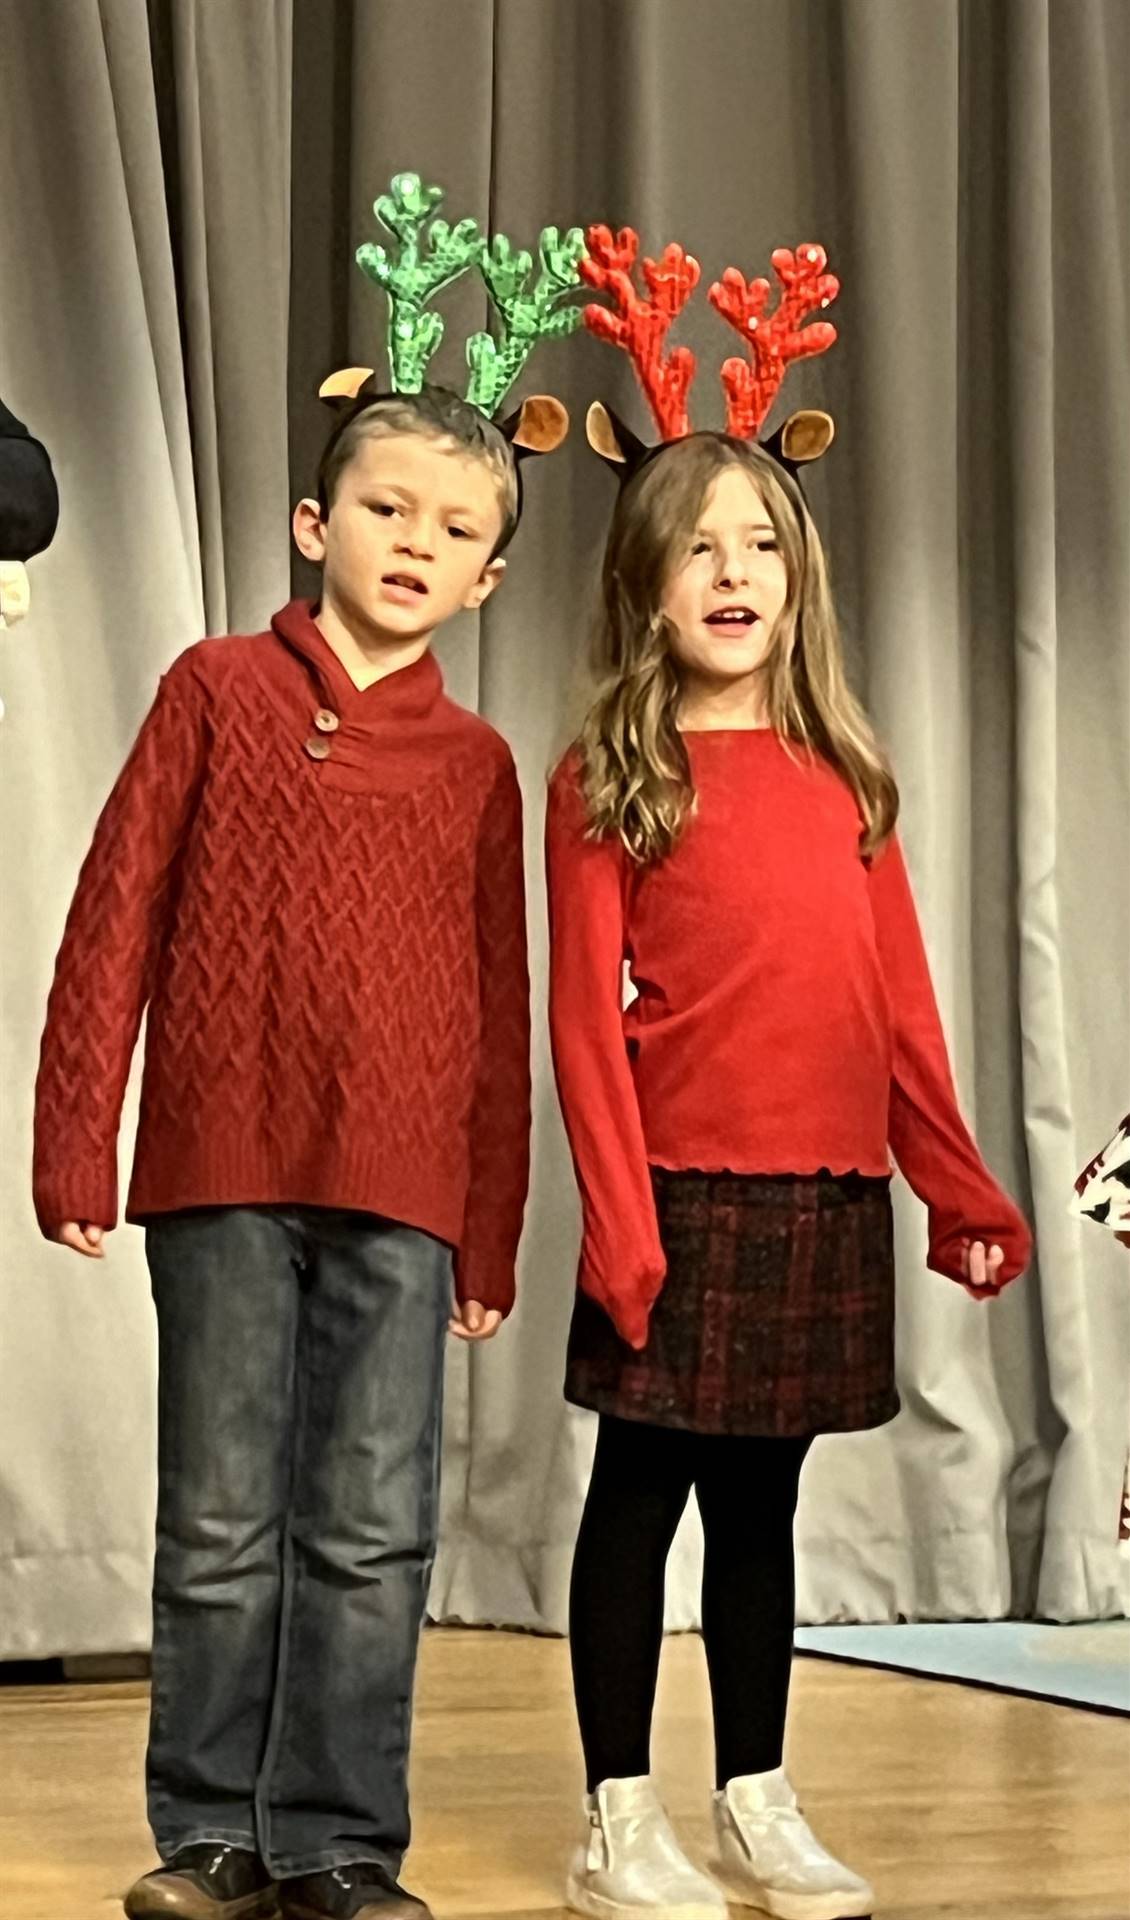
769 1857
633 1863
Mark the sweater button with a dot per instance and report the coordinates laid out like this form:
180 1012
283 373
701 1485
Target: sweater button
325 721
318 747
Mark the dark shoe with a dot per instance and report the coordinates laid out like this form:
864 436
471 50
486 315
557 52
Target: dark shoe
350 1893
208 1882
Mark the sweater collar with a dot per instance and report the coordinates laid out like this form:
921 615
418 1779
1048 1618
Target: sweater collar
408 694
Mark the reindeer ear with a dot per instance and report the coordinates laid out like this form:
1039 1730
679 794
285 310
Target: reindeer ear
341 389
539 426
616 444
804 437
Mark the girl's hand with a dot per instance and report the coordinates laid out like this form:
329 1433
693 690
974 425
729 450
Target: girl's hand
979 1268
82 1238
472 1321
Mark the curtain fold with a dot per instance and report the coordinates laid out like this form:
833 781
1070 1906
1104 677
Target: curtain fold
226 75
1066 278
143 226
91 352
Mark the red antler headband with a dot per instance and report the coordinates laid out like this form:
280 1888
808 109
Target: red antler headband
641 325
774 340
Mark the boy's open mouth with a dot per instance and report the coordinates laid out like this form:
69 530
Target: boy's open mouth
404 582
732 619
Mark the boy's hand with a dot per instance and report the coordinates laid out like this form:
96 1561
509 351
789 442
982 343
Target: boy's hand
472 1321
82 1238
981 1268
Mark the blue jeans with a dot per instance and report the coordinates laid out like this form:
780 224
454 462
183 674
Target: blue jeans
301 1371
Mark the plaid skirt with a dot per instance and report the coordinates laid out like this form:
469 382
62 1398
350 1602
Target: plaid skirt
776 1317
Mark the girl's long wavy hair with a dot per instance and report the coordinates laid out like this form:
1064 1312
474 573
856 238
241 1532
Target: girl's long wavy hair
635 769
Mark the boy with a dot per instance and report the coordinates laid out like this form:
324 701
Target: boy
311 871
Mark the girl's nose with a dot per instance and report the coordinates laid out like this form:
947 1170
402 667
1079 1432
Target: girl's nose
732 571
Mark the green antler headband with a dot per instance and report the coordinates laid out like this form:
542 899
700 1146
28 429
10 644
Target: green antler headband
429 256
526 314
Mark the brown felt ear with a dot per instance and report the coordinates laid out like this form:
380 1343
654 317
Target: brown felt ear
806 436
612 440
539 426
343 387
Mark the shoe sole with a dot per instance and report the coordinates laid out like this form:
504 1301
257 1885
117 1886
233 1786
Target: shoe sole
185 1903
793 1906
596 1907
388 1910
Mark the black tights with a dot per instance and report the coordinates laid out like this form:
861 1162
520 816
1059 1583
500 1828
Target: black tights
747 1493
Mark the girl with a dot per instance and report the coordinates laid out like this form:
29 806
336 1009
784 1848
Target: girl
725 826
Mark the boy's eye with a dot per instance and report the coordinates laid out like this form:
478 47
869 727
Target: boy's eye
383 506
460 533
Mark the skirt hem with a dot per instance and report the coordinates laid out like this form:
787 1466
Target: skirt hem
610 1407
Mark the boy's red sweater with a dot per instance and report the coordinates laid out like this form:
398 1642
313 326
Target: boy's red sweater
318 892
785 1020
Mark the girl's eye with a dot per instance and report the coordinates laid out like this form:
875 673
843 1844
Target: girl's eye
700 546
768 545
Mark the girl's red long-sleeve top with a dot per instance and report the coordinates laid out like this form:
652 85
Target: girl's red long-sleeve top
318 893
785 1020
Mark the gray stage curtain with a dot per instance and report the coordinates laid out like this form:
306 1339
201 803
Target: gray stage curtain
144 231
182 192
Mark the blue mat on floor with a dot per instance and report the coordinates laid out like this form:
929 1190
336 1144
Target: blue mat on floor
1085 1665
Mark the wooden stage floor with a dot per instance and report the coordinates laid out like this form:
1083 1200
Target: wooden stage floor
956 1802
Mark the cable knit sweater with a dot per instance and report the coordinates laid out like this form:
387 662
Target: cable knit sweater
318 893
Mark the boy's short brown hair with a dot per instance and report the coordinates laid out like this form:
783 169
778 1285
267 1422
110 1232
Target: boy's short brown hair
437 414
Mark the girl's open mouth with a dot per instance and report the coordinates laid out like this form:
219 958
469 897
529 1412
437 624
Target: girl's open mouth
732 619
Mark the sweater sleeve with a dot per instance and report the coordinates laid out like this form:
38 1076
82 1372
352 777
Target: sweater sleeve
103 974
500 1113
622 1260
928 1136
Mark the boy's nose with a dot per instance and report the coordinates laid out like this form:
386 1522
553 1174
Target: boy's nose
417 541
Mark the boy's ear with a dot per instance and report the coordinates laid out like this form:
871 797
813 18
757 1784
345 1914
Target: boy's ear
309 531
617 445
486 583
539 426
